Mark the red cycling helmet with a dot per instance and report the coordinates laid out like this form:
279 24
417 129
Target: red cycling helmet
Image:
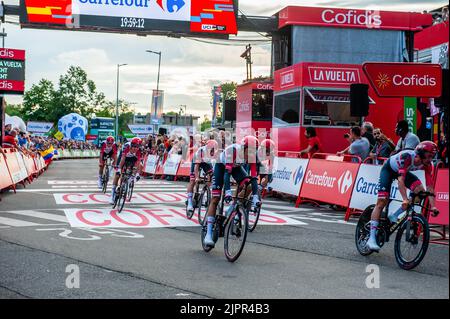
136 141
250 141
110 140
426 147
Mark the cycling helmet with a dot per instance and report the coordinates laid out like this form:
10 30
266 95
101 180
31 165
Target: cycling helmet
136 141
212 145
250 141
426 147
110 139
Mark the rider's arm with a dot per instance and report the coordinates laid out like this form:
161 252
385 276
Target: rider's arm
306 150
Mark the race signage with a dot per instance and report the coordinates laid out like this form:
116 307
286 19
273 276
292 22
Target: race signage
405 79
171 164
12 71
333 75
329 181
141 130
39 127
353 18
150 164
183 16
441 191
365 191
288 174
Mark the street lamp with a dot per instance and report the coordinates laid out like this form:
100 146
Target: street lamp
157 82
117 101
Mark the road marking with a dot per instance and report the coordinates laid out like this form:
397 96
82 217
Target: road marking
36 214
315 219
94 182
95 189
17 222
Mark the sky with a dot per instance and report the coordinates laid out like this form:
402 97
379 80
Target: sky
189 69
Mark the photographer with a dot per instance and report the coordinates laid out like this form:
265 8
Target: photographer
360 146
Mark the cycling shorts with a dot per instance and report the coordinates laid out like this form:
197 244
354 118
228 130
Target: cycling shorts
205 167
388 175
238 174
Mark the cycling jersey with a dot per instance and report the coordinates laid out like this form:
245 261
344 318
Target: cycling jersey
108 151
131 159
203 160
233 156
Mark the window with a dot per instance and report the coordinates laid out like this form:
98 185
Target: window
287 107
328 108
262 105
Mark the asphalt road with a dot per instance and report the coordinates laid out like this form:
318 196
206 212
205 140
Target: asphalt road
311 255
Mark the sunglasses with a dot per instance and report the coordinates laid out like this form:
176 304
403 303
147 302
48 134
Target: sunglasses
134 145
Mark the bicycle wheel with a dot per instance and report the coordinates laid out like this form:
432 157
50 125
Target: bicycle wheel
203 204
122 196
411 242
105 179
362 232
130 191
253 216
235 234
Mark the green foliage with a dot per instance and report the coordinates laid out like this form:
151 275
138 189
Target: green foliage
229 90
14 110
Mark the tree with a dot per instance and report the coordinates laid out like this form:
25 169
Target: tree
229 90
14 110
39 102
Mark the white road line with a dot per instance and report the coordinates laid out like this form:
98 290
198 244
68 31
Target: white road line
36 214
342 222
284 207
135 186
17 222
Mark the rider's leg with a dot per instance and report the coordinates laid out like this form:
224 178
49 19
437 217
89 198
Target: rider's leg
190 188
114 186
415 185
219 171
100 173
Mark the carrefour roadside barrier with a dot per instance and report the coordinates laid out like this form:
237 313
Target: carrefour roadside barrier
151 162
288 174
171 164
17 174
184 169
330 181
441 191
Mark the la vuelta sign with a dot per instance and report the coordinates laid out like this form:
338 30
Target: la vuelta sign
405 79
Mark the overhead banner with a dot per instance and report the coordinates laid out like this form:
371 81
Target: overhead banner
157 108
405 79
12 71
288 174
134 16
39 127
141 130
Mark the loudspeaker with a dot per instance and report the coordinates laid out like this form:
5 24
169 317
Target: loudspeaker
359 100
229 110
162 131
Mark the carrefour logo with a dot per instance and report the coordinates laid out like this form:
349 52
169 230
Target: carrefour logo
171 5
298 175
345 182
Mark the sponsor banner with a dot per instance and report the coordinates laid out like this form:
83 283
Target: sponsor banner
23 169
12 54
141 129
155 217
288 174
39 127
329 182
171 164
352 18
405 79
333 75
441 191
410 113
365 191
150 164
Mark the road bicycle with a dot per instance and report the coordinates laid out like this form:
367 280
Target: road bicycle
253 214
231 224
107 168
125 189
413 232
201 198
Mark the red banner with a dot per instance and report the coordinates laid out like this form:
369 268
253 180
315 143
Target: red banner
214 16
12 86
405 79
351 18
441 191
330 182
90 137
12 54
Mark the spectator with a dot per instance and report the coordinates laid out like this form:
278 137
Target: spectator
314 145
367 132
408 140
360 145
383 146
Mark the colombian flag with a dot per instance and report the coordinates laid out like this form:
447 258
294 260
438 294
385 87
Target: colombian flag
48 154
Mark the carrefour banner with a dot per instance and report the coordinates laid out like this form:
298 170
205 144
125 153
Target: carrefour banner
365 190
141 130
39 127
288 174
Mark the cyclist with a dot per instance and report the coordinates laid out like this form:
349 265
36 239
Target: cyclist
130 156
108 150
201 160
231 163
399 166
266 156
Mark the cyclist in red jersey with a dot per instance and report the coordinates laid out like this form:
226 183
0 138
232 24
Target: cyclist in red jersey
108 150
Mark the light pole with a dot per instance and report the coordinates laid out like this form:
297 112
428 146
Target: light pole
117 102
157 81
